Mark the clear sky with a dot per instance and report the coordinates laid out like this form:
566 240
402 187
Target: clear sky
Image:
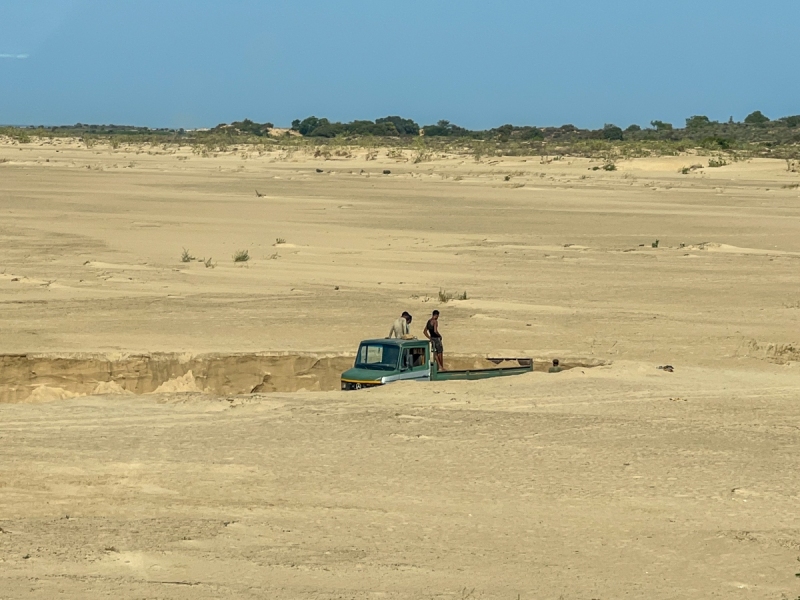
477 63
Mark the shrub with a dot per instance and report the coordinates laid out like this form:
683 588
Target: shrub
530 133
661 126
716 142
186 257
697 122
717 162
792 121
756 118
445 129
280 241
307 125
241 256
401 125
632 128
612 132
445 297
249 127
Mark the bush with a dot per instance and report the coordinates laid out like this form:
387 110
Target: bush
756 118
307 125
252 128
530 133
612 132
792 121
445 129
661 126
633 128
401 125
717 162
697 121
241 256
715 142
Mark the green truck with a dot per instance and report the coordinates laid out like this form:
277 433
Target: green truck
383 361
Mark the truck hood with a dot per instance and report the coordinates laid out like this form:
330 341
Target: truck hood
371 376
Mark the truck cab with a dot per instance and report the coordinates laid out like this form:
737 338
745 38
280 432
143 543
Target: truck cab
386 360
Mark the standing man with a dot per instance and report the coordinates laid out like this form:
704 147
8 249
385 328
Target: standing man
401 327
432 333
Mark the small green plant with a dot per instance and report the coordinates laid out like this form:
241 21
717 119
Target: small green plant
209 264
686 170
279 241
445 296
186 257
274 257
654 244
609 166
241 256
717 162
20 136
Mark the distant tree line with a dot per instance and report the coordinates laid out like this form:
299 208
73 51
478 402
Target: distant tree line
756 128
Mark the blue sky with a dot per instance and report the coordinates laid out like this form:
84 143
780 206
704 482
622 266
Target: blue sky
480 64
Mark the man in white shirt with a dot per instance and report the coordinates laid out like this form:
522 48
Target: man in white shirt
401 327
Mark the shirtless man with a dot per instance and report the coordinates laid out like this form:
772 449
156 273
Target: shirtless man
400 328
432 333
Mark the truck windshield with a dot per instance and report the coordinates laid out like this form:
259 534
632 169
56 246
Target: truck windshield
378 356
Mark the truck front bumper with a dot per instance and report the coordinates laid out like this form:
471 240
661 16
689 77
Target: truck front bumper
349 384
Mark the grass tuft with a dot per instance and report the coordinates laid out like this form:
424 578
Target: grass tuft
717 162
445 296
186 257
241 256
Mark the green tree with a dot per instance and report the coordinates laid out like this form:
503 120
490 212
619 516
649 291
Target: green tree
633 128
401 125
661 126
612 132
756 118
530 133
307 125
697 121
792 121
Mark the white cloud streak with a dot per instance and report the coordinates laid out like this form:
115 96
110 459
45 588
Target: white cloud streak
17 56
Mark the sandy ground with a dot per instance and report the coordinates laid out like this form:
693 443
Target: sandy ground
615 481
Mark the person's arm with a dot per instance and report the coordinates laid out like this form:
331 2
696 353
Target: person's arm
427 333
391 333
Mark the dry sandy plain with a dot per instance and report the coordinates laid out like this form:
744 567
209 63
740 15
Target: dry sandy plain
153 443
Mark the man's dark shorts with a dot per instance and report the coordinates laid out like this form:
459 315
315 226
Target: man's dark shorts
437 345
